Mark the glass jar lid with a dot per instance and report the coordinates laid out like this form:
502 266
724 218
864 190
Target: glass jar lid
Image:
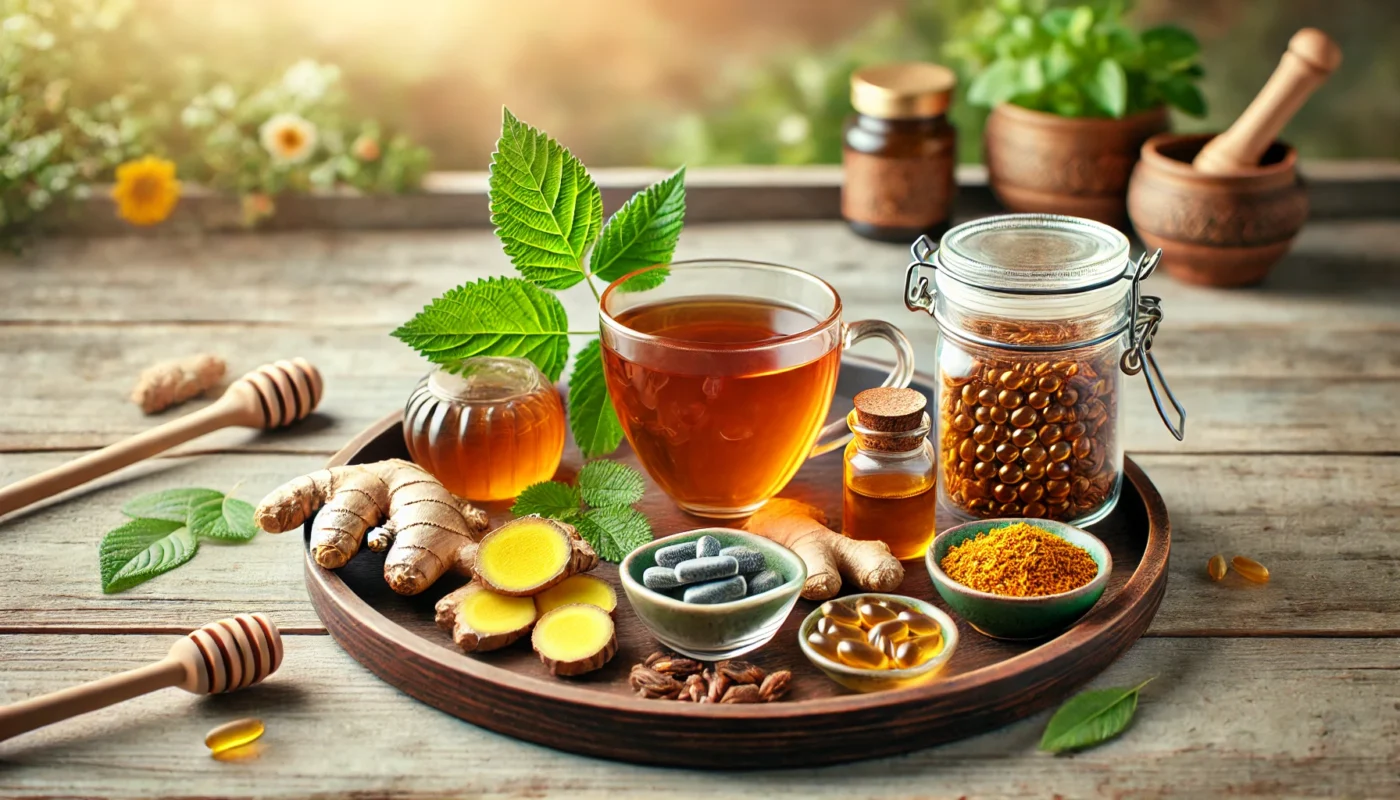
902 90
1034 254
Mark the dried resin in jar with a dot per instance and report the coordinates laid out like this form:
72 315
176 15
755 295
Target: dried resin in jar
890 473
488 430
1040 317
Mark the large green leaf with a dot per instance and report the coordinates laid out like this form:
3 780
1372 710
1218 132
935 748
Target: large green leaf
996 84
609 483
1181 93
492 317
591 415
171 505
226 518
142 549
614 532
1168 45
545 207
1108 88
548 499
641 234
1091 718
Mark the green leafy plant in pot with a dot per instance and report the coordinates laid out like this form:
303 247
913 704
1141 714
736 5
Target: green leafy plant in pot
1074 93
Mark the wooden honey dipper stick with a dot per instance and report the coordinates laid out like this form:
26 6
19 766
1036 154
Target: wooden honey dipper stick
222 656
271 396
1311 57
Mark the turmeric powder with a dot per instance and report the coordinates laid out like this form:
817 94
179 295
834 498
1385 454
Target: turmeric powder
1019 560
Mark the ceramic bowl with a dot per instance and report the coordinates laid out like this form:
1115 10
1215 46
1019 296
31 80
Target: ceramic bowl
1018 618
874 680
723 630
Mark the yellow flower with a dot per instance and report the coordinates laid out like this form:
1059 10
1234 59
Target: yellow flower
146 190
289 138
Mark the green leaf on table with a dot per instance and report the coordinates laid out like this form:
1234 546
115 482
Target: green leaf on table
608 484
1168 45
641 234
1091 718
1181 93
142 549
548 499
492 317
544 204
1108 87
614 532
225 518
171 505
592 418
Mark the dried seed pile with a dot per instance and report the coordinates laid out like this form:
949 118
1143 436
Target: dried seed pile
664 676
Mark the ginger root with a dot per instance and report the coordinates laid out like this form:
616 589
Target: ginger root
575 639
170 383
431 529
587 589
526 556
829 556
481 620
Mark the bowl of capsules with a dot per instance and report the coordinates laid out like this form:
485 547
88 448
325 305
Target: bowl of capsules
712 593
871 642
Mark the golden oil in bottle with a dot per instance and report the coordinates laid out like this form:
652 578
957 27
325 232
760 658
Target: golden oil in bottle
889 475
487 429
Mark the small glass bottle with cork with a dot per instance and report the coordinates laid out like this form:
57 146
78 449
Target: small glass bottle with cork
890 472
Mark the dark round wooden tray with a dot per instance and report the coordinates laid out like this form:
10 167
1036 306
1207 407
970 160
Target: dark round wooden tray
987 684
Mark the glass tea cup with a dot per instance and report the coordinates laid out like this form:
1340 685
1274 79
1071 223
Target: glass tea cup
723 375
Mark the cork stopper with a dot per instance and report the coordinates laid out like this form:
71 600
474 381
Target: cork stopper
885 411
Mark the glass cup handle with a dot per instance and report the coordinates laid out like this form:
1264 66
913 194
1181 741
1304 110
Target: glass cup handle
899 377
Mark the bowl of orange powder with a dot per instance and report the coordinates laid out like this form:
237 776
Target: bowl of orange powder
1019 578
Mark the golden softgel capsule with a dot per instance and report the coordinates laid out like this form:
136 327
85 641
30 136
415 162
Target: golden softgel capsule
233 734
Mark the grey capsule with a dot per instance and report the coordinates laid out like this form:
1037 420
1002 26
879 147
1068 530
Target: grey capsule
750 560
672 555
660 578
707 546
706 569
764 581
720 591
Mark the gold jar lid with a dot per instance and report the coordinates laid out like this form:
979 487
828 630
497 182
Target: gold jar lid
902 90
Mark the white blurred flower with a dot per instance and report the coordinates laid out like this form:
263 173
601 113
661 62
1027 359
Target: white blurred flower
793 129
223 97
289 138
309 81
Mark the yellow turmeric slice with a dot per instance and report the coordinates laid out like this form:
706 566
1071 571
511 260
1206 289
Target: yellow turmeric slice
577 589
482 620
531 554
575 639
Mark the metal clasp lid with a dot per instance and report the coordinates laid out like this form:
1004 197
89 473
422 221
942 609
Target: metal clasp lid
1146 316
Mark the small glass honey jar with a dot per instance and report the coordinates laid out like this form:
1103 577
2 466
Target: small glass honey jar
488 429
899 152
890 473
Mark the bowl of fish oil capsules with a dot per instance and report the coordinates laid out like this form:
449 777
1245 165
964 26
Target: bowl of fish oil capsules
872 642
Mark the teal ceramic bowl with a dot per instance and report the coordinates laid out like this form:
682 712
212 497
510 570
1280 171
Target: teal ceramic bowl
875 680
1018 618
723 630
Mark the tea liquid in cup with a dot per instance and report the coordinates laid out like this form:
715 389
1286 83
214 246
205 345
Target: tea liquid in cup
722 377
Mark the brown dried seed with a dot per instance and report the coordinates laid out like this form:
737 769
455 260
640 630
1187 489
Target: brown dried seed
677 666
719 684
655 657
695 688
740 672
743 693
775 685
650 682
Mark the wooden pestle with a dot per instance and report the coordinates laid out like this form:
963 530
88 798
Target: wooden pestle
1310 58
271 396
222 656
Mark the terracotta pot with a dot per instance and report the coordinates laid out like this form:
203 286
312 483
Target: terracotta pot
1044 163
1216 230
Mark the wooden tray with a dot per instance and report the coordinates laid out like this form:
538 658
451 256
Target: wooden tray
987 684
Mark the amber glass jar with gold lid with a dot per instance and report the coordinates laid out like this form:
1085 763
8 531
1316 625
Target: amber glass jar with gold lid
899 152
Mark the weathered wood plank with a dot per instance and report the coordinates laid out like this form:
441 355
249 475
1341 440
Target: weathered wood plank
1214 722
1328 527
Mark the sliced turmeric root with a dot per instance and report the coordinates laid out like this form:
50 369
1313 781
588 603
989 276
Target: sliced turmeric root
577 589
575 639
482 620
528 555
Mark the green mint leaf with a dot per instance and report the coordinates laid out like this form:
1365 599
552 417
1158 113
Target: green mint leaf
171 505
591 416
225 518
1056 21
1182 94
1108 88
548 499
1091 718
1168 45
545 207
614 532
1032 76
1080 22
492 317
608 484
1058 62
996 84
142 549
641 234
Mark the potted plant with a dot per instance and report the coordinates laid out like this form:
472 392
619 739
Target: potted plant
1074 93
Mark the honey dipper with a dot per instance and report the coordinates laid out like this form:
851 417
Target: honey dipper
222 656
271 396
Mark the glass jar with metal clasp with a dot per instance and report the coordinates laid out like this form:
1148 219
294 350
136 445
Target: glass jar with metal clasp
1040 316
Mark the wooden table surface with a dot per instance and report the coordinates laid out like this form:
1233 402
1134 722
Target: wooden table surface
1293 457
